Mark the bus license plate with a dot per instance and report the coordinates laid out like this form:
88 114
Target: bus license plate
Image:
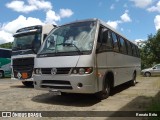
55 92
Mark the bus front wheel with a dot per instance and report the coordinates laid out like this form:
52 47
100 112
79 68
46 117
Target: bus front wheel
1 74
133 81
105 92
27 83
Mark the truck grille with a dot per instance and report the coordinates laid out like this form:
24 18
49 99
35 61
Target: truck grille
23 65
21 69
59 70
56 84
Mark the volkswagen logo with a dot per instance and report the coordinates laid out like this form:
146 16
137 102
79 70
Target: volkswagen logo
53 71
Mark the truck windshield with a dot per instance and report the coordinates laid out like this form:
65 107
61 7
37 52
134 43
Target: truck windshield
26 41
71 38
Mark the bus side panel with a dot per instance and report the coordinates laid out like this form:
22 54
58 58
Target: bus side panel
5 66
101 65
123 66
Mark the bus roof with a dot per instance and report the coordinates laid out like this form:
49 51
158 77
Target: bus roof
28 28
31 29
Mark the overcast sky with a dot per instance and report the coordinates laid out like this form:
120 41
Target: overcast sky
135 19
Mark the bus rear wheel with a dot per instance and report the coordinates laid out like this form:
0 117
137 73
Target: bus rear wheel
1 74
27 83
105 92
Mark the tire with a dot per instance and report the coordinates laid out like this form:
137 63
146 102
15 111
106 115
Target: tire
27 83
147 74
1 74
133 81
105 92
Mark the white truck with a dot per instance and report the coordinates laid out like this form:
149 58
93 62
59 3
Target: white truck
27 42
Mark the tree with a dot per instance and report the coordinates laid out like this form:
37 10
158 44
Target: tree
6 45
150 52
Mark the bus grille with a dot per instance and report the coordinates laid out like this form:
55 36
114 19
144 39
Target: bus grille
56 84
59 70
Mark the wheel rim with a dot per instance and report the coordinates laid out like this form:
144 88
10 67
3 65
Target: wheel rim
134 78
147 74
107 90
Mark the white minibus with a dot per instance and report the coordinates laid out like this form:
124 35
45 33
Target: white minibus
87 57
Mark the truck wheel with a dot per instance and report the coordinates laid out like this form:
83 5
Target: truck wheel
1 74
105 92
27 83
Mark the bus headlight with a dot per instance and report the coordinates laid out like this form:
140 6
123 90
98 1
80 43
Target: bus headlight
37 71
82 70
74 71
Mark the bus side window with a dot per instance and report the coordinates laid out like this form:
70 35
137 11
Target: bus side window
99 38
115 42
138 52
129 48
122 45
99 41
5 54
134 50
104 36
104 42
109 44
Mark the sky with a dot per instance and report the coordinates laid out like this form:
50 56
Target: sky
135 19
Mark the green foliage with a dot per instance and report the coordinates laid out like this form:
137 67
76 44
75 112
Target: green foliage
6 45
150 53
154 106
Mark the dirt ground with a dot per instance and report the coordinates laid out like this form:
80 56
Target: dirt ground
16 97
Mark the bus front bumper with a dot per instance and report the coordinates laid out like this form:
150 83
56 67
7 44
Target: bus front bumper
66 83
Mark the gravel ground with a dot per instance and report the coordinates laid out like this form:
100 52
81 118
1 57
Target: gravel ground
16 97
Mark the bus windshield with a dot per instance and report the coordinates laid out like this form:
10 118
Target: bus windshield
71 38
26 41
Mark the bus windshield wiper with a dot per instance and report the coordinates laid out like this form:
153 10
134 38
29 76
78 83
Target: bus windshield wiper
71 45
27 51
17 48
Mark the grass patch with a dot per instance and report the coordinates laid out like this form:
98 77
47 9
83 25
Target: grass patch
156 84
155 106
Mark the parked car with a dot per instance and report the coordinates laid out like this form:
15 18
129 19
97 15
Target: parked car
151 71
